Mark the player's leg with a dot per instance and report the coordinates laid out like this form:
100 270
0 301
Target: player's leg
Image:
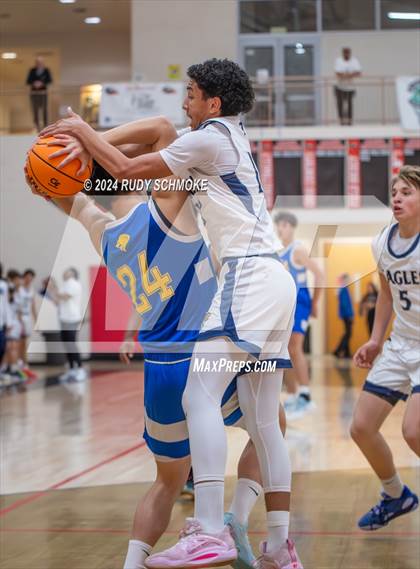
248 488
369 414
154 510
386 384
201 402
411 423
259 396
207 537
303 401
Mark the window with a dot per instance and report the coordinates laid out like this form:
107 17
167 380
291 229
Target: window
395 14
348 14
276 16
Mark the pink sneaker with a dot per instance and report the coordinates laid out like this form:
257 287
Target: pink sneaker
284 558
196 549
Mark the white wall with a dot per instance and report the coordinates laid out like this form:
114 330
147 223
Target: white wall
180 32
90 57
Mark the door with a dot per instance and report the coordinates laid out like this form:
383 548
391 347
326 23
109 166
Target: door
259 58
284 69
300 90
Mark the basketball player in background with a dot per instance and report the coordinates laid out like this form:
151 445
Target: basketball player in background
395 375
298 263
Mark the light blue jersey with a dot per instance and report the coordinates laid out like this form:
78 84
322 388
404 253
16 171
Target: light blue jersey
168 276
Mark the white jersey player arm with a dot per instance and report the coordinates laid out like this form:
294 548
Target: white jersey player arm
383 309
383 312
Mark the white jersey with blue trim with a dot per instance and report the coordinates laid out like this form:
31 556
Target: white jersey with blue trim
298 272
399 261
232 203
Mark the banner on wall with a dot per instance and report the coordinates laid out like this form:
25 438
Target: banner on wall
408 97
353 177
125 102
397 155
309 183
266 168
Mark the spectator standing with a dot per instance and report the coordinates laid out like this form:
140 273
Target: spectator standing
347 68
39 77
68 299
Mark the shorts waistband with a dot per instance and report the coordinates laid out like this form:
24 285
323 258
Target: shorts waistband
158 358
269 255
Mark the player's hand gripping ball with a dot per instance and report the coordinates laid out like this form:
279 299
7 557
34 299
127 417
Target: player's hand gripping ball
46 177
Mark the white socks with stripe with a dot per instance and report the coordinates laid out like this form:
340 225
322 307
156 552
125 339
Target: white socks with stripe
137 553
393 486
246 494
209 510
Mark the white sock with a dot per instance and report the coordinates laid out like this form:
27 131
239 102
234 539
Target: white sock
137 553
278 529
246 494
209 508
393 487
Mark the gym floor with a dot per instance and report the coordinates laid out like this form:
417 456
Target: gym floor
74 465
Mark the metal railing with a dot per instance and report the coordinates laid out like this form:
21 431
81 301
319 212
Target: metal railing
281 101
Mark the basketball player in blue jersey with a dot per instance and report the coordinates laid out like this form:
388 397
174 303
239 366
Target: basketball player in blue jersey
249 318
298 263
138 247
394 369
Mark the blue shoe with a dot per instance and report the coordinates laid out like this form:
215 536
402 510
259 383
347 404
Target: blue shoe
239 533
388 509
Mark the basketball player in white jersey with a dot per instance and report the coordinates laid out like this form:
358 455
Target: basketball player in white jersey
298 263
395 374
249 317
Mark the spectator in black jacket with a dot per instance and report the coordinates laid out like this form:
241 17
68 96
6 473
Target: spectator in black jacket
39 77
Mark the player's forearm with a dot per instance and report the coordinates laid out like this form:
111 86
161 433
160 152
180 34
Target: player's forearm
383 314
133 326
144 131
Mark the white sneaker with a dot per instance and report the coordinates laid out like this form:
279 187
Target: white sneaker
66 376
79 374
290 401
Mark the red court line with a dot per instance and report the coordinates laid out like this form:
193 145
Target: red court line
359 534
41 493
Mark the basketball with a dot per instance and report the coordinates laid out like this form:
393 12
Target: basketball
47 177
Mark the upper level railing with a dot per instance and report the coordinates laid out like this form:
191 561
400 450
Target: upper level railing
291 101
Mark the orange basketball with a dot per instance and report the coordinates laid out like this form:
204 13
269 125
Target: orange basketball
47 177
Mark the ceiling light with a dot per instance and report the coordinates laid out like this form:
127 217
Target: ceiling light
67 1
9 55
404 15
93 20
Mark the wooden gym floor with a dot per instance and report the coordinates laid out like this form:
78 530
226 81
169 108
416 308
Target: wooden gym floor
74 465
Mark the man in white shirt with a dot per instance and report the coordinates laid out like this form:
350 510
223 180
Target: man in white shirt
68 299
346 68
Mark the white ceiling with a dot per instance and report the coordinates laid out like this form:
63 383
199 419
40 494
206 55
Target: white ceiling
41 16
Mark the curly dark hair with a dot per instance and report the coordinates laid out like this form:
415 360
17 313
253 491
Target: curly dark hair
224 79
